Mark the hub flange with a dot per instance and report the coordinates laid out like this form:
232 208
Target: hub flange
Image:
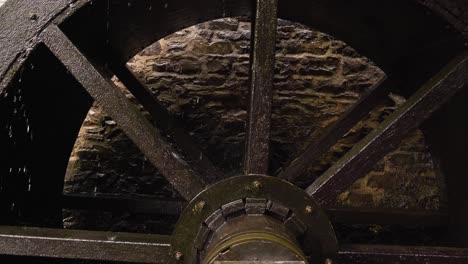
254 218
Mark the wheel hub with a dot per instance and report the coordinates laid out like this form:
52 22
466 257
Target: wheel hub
252 238
254 218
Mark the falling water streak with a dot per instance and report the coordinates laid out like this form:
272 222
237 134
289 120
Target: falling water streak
29 184
224 8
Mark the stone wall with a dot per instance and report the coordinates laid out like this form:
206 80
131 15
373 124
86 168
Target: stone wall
201 75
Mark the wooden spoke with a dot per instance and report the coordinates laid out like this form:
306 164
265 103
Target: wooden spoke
378 254
262 71
387 216
92 245
113 203
409 116
336 131
148 139
164 120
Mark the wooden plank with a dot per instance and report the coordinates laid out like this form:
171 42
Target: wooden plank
387 216
262 72
337 130
140 205
91 245
114 203
382 254
167 123
385 138
146 137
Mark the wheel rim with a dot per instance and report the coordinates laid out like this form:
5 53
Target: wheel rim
59 32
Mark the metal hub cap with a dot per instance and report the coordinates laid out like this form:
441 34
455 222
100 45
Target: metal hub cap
263 219
251 238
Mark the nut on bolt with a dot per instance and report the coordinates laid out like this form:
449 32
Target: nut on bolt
199 206
33 16
178 256
308 210
328 261
257 185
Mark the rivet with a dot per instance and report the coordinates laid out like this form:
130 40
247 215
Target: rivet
199 206
179 255
308 209
257 184
33 16
328 261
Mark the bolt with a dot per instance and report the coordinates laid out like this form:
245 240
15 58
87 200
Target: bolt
328 261
257 185
179 256
309 210
33 16
199 206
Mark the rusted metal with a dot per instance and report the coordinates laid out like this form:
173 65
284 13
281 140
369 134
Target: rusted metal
233 208
257 155
409 116
260 237
318 241
92 245
255 206
147 138
334 132
380 254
